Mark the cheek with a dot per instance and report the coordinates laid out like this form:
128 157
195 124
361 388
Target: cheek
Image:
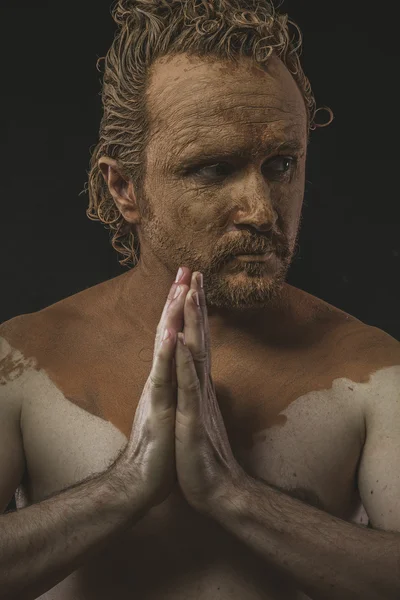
202 216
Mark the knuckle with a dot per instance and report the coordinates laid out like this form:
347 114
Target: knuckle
185 361
199 356
190 386
198 318
165 416
158 382
171 294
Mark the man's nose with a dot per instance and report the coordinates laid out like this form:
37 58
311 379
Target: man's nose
263 219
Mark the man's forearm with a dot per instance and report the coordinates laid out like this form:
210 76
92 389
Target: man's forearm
327 558
42 544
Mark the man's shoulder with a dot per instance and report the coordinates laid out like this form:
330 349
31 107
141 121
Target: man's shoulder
24 340
361 340
26 337
84 304
34 328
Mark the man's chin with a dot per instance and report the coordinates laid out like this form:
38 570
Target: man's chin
243 292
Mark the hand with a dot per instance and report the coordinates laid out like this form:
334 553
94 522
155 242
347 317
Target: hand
148 460
205 465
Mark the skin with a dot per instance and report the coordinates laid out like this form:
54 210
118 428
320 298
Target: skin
203 219
293 374
199 220
358 564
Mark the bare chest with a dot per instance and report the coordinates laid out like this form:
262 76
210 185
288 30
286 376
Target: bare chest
296 427
307 442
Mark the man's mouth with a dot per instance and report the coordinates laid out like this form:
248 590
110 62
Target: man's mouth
264 258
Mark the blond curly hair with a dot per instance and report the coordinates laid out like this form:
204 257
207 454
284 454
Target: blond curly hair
148 29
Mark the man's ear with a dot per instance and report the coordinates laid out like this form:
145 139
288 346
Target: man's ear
120 189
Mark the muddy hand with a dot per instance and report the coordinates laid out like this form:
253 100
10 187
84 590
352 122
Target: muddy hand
205 465
150 453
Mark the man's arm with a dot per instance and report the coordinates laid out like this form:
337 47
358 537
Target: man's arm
326 557
42 544
379 470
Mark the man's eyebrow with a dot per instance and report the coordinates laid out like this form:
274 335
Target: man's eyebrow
206 153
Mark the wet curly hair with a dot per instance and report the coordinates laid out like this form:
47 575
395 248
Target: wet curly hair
148 29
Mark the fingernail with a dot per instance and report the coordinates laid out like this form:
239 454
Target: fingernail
179 275
200 279
177 292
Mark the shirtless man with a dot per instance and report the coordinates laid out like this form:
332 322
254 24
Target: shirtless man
251 484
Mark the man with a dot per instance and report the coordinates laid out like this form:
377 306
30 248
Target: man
139 474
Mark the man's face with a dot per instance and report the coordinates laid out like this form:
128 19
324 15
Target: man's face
219 180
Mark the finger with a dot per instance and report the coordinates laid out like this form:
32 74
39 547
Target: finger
174 379
172 315
189 390
206 327
162 376
162 392
194 334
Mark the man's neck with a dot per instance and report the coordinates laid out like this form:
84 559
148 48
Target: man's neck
146 287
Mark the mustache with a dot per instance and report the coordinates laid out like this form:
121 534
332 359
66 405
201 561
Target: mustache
253 245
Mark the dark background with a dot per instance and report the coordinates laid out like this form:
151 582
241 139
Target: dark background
49 118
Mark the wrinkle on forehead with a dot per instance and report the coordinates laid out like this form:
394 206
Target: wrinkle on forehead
170 77
208 93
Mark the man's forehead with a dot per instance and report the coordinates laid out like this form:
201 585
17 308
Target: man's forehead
173 72
189 96
217 128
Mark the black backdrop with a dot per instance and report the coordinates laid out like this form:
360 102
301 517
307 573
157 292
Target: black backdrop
49 117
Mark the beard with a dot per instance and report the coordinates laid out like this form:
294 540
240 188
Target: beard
246 286
228 284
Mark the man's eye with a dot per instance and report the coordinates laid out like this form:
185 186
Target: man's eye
220 170
289 160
